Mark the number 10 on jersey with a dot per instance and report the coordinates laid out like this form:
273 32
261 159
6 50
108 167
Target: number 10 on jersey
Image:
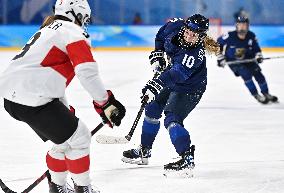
188 61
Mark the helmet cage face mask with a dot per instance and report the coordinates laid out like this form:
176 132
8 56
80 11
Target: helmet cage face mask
83 21
197 24
242 20
241 31
187 45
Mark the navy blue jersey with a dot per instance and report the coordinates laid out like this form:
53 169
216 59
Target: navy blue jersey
188 70
236 49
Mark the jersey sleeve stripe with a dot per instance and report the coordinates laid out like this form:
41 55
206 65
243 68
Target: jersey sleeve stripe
79 52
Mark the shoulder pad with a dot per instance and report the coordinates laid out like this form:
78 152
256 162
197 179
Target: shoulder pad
73 33
251 34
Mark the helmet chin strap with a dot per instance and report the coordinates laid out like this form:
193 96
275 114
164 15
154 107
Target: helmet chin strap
79 22
75 16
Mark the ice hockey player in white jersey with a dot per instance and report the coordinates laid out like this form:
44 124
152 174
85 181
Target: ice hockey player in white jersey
33 87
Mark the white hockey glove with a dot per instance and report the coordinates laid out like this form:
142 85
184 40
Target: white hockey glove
152 89
221 60
259 57
157 61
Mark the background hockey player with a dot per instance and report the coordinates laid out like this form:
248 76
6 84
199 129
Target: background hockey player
34 85
239 45
178 88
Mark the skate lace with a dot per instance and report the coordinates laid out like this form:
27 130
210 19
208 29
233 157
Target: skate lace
137 151
62 189
69 189
88 189
189 159
146 153
142 152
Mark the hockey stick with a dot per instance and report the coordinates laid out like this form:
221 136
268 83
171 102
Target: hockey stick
273 57
251 60
240 61
105 139
43 176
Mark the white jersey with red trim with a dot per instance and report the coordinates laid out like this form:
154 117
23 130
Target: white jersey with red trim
48 62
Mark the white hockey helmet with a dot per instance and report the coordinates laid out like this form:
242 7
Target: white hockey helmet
75 10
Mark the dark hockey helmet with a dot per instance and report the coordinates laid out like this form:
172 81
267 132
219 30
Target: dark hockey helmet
198 24
242 19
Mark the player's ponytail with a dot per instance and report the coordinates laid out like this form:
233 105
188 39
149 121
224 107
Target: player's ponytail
47 20
211 46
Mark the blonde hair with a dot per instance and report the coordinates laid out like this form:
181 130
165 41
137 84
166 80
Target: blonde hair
211 46
47 21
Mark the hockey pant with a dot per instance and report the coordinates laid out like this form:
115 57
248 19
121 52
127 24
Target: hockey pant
72 156
258 76
176 107
247 72
54 121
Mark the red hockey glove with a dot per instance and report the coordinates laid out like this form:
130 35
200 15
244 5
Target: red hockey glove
112 112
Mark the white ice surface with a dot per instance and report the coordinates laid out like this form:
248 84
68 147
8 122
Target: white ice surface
239 142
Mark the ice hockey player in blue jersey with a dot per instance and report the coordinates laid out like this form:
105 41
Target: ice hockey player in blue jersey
239 45
177 89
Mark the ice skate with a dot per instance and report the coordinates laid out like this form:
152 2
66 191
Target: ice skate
271 98
54 188
137 156
183 167
261 99
85 189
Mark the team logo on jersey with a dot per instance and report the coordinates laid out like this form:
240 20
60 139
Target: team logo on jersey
240 53
250 42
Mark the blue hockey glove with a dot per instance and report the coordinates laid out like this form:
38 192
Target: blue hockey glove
221 60
157 61
259 57
152 89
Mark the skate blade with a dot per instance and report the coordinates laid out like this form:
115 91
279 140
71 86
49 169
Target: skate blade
137 161
185 173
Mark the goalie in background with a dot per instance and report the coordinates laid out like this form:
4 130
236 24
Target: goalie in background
239 45
177 89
